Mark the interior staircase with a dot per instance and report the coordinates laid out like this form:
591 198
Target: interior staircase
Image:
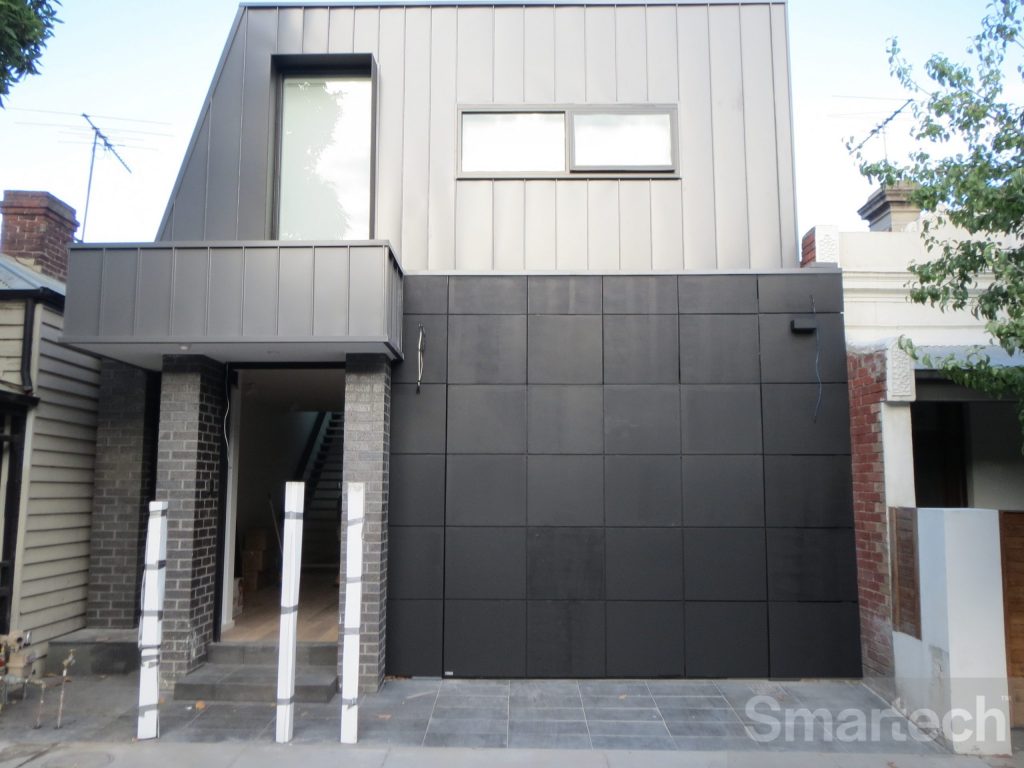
322 475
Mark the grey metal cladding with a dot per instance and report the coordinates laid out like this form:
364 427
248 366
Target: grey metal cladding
722 65
160 297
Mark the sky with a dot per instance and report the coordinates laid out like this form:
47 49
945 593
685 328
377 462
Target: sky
141 69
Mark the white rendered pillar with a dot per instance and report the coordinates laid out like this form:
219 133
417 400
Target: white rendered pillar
294 496
151 625
353 611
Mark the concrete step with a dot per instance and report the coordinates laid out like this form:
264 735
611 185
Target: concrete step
97 651
307 654
255 683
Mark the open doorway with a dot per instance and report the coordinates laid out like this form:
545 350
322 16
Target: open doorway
287 425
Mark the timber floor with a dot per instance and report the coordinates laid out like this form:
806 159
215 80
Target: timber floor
318 612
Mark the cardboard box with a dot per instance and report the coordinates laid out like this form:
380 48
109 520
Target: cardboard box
254 582
257 539
253 562
28 662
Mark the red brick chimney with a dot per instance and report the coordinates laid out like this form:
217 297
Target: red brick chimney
36 230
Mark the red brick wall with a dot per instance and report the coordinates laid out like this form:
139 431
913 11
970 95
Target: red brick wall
867 391
37 228
808 249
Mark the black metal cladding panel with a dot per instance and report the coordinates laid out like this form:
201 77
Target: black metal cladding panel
806 418
418 418
487 419
645 639
649 295
417 568
814 639
415 629
565 638
486 490
575 295
426 294
644 564
641 349
565 349
724 564
808 491
811 564
416 489
565 563
565 490
485 563
727 639
799 357
641 419
603 518
721 491
803 291
565 419
472 340
487 296
642 491
719 349
721 418
485 638
717 294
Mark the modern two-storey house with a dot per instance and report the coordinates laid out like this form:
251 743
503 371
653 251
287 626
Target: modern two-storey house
530 272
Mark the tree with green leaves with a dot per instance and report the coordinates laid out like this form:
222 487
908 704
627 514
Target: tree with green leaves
967 170
25 26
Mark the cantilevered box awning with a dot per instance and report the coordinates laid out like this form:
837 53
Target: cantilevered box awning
272 302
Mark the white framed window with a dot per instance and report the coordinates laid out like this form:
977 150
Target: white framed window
325 157
562 141
513 142
622 141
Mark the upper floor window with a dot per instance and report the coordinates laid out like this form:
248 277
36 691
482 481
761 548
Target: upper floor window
564 141
325 158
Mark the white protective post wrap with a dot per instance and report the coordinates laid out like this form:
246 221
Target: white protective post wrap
294 495
353 611
151 625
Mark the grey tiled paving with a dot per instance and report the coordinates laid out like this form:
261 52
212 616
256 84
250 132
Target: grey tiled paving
541 714
699 715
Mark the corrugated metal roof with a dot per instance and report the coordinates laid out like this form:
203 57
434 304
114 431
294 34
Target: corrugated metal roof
15 276
998 357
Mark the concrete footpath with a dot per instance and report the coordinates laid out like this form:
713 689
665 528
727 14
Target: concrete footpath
225 755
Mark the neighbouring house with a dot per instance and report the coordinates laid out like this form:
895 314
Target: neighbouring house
531 274
48 396
938 484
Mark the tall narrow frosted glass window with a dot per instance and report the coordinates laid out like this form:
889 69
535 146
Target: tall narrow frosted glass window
324 192
506 142
622 141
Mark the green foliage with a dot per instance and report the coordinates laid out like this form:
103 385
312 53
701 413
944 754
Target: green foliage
25 26
968 170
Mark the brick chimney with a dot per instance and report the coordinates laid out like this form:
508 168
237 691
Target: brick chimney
36 230
889 209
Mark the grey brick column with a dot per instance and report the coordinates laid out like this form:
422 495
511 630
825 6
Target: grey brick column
188 478
123 487
366 457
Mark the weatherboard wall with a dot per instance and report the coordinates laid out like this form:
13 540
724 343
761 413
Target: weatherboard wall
723 65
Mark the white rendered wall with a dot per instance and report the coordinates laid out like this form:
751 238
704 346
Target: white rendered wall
960 661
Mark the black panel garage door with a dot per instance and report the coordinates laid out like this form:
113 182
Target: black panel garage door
622 476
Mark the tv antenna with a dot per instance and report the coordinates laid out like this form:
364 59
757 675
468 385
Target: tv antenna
880 129
98 138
